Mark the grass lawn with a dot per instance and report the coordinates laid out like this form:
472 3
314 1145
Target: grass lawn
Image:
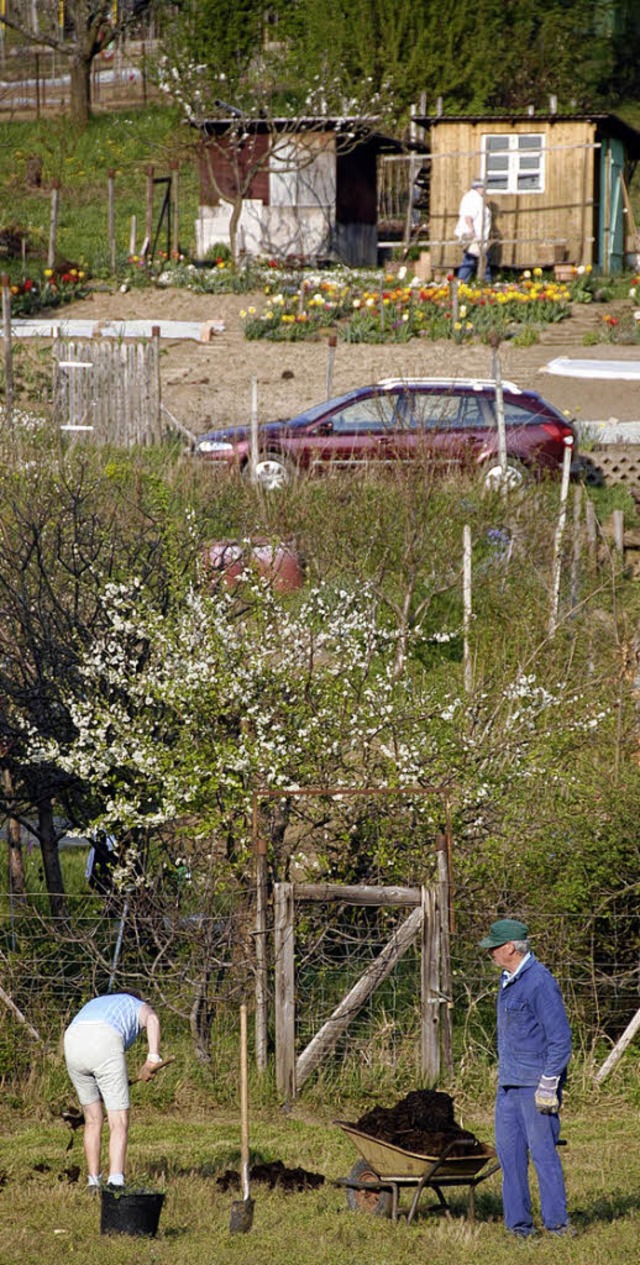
44 1218
126 142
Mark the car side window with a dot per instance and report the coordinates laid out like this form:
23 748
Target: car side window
368 416
429 410
472 414
517 415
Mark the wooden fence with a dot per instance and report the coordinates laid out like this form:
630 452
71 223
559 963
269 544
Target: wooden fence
108 390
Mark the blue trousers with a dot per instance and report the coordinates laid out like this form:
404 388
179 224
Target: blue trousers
522 1131
469 267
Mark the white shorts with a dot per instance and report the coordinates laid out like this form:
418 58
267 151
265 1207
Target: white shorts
94 1054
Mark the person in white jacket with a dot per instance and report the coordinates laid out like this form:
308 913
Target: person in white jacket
473 230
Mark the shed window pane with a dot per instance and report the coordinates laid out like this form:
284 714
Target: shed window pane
515 162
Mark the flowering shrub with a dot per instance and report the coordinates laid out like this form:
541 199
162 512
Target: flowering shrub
30 296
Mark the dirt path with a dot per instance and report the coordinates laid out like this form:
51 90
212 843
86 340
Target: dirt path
208 384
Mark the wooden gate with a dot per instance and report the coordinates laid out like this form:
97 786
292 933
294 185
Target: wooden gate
107 390
427 923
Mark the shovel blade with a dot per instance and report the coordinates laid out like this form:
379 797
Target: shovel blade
241 1216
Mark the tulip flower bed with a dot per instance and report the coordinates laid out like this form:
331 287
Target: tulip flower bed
393 308
31 296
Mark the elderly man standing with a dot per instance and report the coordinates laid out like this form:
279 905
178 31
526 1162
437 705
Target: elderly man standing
472 230
534 1047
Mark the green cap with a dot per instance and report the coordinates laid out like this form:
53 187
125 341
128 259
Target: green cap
502 931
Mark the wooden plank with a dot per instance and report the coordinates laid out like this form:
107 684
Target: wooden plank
284 990
327 1038
619 1048
403 897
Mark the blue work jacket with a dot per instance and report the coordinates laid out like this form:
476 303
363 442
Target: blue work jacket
534 1037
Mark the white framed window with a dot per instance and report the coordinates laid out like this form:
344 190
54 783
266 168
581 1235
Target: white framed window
514 162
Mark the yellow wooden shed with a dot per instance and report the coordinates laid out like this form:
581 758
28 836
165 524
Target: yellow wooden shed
557 187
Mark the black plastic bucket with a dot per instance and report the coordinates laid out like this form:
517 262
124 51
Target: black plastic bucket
135 1213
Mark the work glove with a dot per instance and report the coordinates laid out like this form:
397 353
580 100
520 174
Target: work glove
546 1097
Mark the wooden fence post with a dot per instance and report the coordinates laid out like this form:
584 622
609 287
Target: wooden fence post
8 352
261 1021
154 421
577 547
175 198
557 544
502 432
53 225
148 223
253 432
111 215
618 531
430 988
446 979
332 343
285 991
466 597
592 533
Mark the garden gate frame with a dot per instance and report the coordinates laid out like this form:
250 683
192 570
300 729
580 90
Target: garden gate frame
431 919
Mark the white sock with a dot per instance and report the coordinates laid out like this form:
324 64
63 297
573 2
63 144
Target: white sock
94 1179
116 1179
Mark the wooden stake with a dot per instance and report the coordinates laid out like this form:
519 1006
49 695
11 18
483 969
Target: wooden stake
53 226
254 426
331 355
8 352
557 546
466 597
111 215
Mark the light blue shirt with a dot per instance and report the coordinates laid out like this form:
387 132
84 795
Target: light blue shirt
507 976
119 1010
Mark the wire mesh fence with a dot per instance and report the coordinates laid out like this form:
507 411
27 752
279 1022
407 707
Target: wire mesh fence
196 965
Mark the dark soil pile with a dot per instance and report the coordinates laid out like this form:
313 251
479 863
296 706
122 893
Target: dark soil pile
274 1174
423 1122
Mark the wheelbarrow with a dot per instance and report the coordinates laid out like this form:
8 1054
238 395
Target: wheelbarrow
384 1170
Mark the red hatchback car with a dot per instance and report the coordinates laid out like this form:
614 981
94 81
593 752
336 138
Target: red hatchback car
447 422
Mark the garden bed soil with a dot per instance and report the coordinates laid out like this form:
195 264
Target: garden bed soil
275 1174
207 384
423 1122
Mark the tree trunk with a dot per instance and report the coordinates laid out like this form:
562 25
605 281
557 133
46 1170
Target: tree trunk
51 860
17 880
233 228
80 100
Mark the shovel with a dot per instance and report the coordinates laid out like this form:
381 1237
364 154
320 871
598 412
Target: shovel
242 1209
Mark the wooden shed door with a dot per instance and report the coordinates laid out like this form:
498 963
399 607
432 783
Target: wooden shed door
611 231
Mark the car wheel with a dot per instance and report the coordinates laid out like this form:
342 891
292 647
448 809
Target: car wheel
271 471
513 477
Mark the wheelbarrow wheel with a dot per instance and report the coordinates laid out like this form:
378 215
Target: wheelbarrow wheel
376 1202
